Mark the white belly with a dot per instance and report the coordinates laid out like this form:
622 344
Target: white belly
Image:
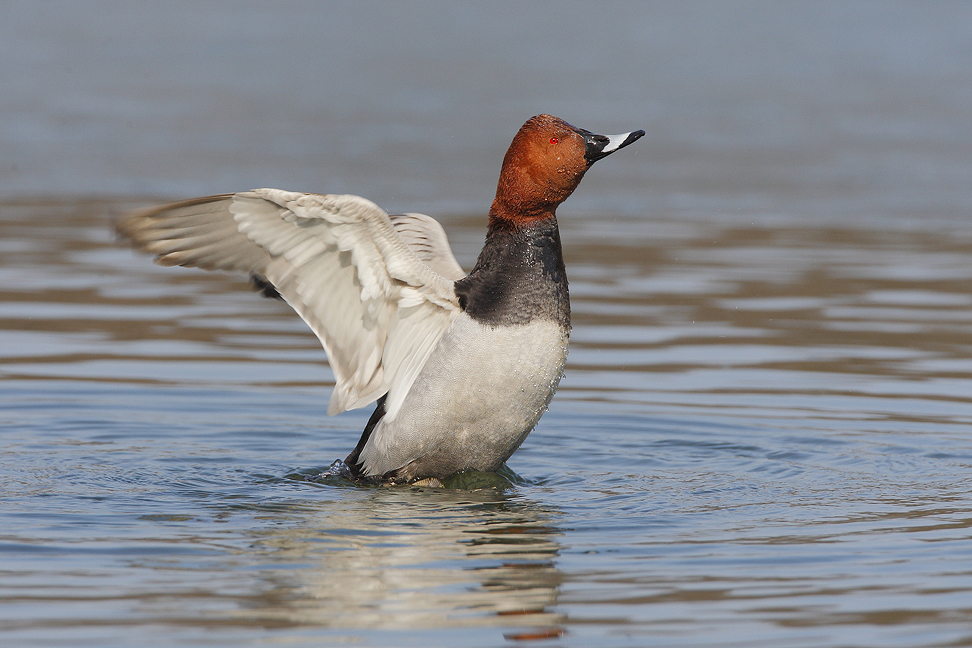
475 401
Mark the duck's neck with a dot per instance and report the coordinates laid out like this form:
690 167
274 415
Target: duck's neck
519 276
504 217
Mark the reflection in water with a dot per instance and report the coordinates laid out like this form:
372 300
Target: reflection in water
394 558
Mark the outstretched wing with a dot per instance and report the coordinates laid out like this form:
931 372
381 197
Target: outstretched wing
429 242
377 308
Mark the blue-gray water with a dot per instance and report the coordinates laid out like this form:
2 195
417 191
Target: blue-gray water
764 436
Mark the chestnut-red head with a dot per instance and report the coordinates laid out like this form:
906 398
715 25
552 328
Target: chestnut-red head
545 163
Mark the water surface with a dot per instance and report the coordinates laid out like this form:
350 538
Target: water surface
762 438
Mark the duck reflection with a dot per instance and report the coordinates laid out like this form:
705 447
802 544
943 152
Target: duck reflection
394 558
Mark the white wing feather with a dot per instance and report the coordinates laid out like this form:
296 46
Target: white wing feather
428 240
377 308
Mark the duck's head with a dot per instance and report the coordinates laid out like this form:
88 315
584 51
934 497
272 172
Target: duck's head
545 163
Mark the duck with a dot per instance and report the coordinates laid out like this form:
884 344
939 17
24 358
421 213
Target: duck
460 366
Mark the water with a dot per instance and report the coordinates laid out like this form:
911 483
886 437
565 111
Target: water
763 435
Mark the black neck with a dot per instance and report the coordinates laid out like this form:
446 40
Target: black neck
519 277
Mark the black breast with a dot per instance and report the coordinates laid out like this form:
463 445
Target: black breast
519 277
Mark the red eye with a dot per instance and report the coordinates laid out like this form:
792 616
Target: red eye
554 140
